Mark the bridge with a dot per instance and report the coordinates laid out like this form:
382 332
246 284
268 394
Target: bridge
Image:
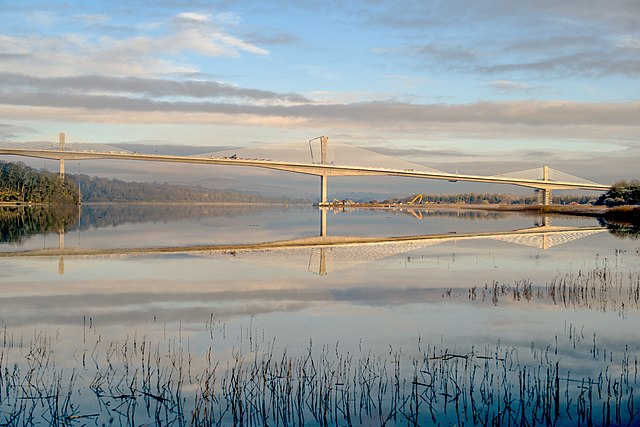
544 179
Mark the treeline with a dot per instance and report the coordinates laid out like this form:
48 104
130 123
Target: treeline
621 193
94 189
22 184
488 198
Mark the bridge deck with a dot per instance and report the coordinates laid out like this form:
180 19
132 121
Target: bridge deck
317 169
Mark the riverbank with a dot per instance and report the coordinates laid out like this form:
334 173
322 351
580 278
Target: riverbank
629 214
582 210
619 214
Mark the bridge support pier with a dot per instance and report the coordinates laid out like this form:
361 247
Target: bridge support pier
61 139
545 196
61 247
323 221
323 190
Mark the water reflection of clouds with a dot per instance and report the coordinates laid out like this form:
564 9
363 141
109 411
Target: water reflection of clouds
135 301
407 285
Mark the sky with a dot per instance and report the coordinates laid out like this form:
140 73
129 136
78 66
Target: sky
479 87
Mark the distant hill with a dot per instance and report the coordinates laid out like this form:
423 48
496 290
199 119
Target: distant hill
23 184
94 189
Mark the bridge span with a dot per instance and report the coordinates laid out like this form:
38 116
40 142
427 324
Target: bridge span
322 169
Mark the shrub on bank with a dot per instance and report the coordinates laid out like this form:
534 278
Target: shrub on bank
621 193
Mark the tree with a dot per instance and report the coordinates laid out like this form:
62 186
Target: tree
621 193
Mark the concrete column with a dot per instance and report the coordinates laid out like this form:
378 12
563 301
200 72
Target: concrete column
61 140
323 190
323 178
61 247
323 222
322 270
545 196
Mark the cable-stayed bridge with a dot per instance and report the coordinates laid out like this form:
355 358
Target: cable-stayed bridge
319 159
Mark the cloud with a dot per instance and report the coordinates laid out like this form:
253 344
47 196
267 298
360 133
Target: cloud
567 115
145 50
140 87
433 55
190 17
574 38
509 86
156 95
269 38
10 131
589 63
629 42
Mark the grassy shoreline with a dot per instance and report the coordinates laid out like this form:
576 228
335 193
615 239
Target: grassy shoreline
626 213
617 213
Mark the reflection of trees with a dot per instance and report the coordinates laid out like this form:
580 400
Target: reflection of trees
19 222
99 216
622 230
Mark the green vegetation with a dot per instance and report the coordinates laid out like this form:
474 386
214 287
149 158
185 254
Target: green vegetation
621 193
22 184
489 198
96 189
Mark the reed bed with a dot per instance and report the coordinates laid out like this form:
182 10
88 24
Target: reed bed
137 380
604 288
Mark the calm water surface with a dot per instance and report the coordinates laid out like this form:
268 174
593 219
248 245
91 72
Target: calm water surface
547 323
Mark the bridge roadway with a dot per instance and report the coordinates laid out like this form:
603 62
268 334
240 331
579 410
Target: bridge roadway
323 170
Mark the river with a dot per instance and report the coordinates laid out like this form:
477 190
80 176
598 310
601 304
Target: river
397 317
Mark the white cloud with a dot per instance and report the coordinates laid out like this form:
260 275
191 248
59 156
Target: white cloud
149 51
91 18
193 16
42 18
510 86
629 42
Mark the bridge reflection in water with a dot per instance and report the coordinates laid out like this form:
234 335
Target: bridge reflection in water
323 254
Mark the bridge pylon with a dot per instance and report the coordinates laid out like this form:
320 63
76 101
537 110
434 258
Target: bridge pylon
323 178
545 195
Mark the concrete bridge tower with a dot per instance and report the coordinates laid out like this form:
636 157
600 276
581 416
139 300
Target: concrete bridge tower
545 195
323 187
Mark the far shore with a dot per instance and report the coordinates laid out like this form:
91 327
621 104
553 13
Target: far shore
617 213
20 204
582 210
